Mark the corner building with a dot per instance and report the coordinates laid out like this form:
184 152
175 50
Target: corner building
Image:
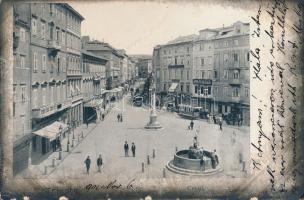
209 70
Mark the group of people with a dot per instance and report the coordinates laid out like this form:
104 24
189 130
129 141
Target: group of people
119 117
98 162
214 160
126 148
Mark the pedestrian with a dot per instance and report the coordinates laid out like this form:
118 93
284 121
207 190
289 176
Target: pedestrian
99 163
88 164
126 148
133 148
118 117
216 157
191 124
221 123
202 163
102 116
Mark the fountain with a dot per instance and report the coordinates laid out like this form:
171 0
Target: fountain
194 161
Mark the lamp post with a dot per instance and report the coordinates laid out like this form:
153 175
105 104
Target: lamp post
73 126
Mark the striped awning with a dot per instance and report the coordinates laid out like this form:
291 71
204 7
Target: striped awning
173 87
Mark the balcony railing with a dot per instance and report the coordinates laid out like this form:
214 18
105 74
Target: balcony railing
48 110
53 47
235 82
235 99
176 66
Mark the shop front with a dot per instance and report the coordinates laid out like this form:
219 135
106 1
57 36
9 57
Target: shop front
48 138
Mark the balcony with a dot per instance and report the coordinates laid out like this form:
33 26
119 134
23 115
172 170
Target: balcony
235 82
235 99
48 110
170 66
53 47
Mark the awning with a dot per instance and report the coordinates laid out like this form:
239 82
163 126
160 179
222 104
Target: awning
173 87
51 131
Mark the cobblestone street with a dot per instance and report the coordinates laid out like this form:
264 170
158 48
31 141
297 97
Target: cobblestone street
107 138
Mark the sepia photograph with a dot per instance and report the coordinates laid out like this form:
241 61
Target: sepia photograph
137 98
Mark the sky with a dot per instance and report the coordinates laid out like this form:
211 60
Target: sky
139 26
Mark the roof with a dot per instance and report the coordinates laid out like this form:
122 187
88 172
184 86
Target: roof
181 39
85 52
70 8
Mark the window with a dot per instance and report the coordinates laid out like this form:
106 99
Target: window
236 42
236 74
34 26
44 96
225 74
182 88
22 61
203 74
235 92
196 89
165 52
22 34
23 94
202 61
188 75
215 74
226 92
35 62
175 60
58 65
209 90
235 57
188 88
52 94
226 57
247 92
164 86
209 74
43 63
238 28
43 30
201 47
225 43
169 74
215 90
182 74
63 38
188 49
35 97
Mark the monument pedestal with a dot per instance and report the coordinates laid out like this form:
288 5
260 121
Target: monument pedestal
153 123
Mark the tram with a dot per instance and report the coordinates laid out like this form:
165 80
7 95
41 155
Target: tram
188 111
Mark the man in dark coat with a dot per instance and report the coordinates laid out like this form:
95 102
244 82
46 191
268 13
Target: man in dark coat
133 148
88 164
118 117
99 162
102 116
126 148
202 163
191 124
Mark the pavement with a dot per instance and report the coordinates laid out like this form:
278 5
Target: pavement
108 137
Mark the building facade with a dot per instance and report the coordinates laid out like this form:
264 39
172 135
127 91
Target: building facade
209 70
93 85
114 57
44 43
74 68
21 88
173 65
144 67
